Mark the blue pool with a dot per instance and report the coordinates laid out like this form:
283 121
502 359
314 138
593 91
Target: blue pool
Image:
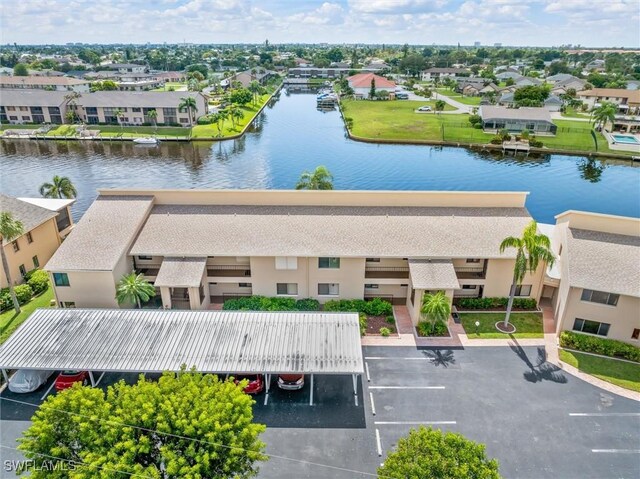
632 140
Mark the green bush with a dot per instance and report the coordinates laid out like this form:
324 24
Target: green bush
362 321
494 303
439 328
475 119
307 304
23 293
391 319
375 307
263 303
38 280
535 143
603 346
496 140
5 300
385 332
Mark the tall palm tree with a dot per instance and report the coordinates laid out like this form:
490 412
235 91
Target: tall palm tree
60 187
188 103
221 117
531 249
605 113
236 114
153 116
10 229
436 307
255 89
133 288
320 179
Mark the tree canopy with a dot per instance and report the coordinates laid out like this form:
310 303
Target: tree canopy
320 179
188 426
426 452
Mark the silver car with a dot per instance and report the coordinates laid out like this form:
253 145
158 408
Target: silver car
28 380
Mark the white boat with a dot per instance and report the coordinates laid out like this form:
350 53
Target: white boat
146 141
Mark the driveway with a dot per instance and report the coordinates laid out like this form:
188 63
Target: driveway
536 420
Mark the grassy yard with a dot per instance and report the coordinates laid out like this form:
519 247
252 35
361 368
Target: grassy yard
528 325
178 86
211 131
575 135
467 100
63 130
9 320
620 373
129 131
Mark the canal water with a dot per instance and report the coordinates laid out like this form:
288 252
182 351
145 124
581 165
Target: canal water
291 136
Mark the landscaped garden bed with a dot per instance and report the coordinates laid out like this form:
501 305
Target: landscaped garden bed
494 304
601 346
439 329
376 316
381 326
528 325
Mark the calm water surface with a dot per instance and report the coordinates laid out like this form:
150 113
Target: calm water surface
291 136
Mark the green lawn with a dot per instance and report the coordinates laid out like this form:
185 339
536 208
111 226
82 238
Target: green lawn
178 86
211 131
467 100
129 131
620 373
63 130
9 320
575 135
528 325
5 126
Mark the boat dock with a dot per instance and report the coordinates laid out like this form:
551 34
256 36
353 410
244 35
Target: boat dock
516 146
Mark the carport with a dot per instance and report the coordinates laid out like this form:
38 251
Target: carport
218 342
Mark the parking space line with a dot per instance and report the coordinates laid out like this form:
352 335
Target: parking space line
383 423
373 406
48 391
617 451
406 387
604 414
373 358
378 443
366 368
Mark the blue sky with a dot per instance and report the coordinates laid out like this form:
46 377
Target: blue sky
511 22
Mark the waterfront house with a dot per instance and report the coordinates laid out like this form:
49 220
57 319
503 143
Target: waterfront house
46 222
52 83
32 106
441 73
628 101
536 120
246 77
361 84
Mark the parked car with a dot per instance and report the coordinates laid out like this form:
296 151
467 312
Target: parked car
402 96
291 382
256 382
425 108
66 379
28 380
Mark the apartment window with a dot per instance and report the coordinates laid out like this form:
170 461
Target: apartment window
91 110
136 110
328 289
13 118
184 120
329 263
600 297
473 260
61 279
16 246
11 108
29 238
24 108
469 286
591 327
373 260
287 288
145 258
67 304
36 262
371 286
26 118
23 270
523 290
62 220
244 285
286 262
635 334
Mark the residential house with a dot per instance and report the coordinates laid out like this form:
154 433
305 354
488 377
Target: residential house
506 99
527 81
631 85
553 103
628 101
32 106
200 247
246 77
44 83
6 71
597 65
475 89
126 67
594 285
441 73
313 72
563 86
536 120
375 67
171 76
46 222
560 77
361 84
514 75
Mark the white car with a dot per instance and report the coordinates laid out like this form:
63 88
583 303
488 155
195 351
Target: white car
425 108
28 380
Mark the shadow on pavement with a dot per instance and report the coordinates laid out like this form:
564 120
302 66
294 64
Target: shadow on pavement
541 370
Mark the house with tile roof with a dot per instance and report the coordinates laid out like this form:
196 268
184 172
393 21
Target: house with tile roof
361 84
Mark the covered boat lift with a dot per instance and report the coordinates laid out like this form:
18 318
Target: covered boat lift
217 342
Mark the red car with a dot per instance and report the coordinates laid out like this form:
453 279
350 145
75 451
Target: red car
256 382
66 379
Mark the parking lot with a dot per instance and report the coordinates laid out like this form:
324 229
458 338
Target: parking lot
537 421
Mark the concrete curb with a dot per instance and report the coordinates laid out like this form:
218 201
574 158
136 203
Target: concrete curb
599 383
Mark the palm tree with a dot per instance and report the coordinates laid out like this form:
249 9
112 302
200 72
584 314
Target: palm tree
236 114
153 116
440 104
188 103
134 288
71 100
255 89
10 229
605 113
436 307
531 249
320 179
60 187
119 115
221 117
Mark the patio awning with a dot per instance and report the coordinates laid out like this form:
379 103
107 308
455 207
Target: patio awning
433 274
181 272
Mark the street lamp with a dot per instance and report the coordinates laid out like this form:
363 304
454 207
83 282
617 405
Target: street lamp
477 326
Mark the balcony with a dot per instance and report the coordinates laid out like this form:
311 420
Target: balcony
471 272
384 272
229 271
150 272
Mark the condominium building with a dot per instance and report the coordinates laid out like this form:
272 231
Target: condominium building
46 222
200 247
51 83
32 106
628 101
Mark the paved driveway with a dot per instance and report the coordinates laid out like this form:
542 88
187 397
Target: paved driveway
538 422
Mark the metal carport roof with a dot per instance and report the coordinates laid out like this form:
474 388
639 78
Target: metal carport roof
211 341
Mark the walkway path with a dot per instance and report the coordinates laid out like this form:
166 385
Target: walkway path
461 107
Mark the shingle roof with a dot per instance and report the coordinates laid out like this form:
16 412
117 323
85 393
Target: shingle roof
32 98
211 341
41 80
498 112
446 232
432 274
104 234
633 96
181 272
604 261
169 99
30 215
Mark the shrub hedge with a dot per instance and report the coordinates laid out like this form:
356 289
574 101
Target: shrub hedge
605 347
375 307
38 280
495 303
264 303
439 328
23 293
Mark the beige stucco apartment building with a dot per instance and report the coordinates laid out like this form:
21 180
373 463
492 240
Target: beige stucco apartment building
200 247
46 222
